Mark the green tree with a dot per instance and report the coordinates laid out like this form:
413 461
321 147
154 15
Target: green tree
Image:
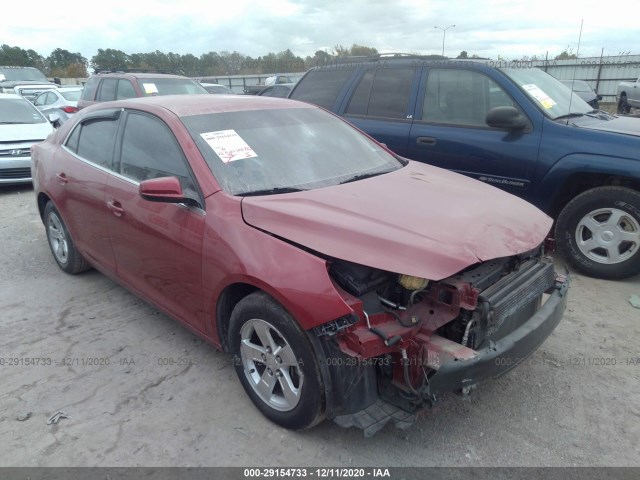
210 64
110 59
566 54
361 50
319 58
463 54
18 57
62 63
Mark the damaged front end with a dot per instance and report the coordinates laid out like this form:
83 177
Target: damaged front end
410 340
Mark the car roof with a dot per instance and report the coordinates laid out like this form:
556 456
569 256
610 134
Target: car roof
410 60
188 105
138 75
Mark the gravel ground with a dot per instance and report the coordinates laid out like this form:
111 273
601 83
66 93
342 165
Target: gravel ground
141 390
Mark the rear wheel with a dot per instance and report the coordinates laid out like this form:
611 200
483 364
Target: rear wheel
275 362
62 247
598 232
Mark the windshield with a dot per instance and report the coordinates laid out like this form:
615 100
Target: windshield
549 94
170 86
18 73
288 148
19 110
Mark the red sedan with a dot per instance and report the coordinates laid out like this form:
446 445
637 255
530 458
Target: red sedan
348 283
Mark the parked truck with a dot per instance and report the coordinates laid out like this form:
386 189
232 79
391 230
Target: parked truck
628 96
26 81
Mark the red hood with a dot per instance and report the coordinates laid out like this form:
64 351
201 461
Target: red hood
419 220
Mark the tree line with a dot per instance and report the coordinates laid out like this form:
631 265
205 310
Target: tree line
62 63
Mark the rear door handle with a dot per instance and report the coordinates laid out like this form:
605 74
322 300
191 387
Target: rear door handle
426 141
116 208
63 178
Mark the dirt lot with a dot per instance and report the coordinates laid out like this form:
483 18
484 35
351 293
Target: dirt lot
140 390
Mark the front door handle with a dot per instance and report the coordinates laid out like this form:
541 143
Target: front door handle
426 141
62 177
116 208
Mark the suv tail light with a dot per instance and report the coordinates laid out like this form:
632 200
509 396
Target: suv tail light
70 109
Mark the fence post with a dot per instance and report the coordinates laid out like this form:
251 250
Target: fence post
599 71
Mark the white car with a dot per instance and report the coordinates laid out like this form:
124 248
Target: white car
216 88
21 126
61 101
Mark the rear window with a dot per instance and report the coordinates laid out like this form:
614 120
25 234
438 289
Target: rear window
321 87
170 86
71 95
89 90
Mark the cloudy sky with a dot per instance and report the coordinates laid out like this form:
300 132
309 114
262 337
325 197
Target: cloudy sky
488 28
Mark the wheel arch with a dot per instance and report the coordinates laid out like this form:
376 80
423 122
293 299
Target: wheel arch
43 199
566 185
230 296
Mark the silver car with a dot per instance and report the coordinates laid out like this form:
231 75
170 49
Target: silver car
62 101
21 126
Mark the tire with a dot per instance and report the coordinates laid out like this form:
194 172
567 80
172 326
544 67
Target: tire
623 106
598 232
276 365
61 244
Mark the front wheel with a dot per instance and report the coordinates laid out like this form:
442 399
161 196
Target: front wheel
275 362
598 232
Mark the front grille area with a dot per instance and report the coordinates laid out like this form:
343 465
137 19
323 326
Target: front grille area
15 152
14 173
516 295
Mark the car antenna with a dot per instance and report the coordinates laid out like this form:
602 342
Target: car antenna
575 65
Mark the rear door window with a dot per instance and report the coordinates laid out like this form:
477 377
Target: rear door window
383 92
107 91
125 90
96 141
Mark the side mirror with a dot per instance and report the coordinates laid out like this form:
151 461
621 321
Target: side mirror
54 119
507 118
599 97
166 190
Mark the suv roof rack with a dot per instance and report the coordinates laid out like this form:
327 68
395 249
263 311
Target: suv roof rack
384 56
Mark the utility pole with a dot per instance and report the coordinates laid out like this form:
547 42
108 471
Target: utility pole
444 34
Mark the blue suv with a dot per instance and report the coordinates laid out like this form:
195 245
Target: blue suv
510 125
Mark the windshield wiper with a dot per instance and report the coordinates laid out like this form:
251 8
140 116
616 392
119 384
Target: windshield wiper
10 123
362 176
271 191
569 115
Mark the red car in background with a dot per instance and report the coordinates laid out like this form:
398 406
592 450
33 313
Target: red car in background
349 283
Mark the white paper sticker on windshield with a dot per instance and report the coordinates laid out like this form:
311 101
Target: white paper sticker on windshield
2 79
228 145
150 88
536 92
